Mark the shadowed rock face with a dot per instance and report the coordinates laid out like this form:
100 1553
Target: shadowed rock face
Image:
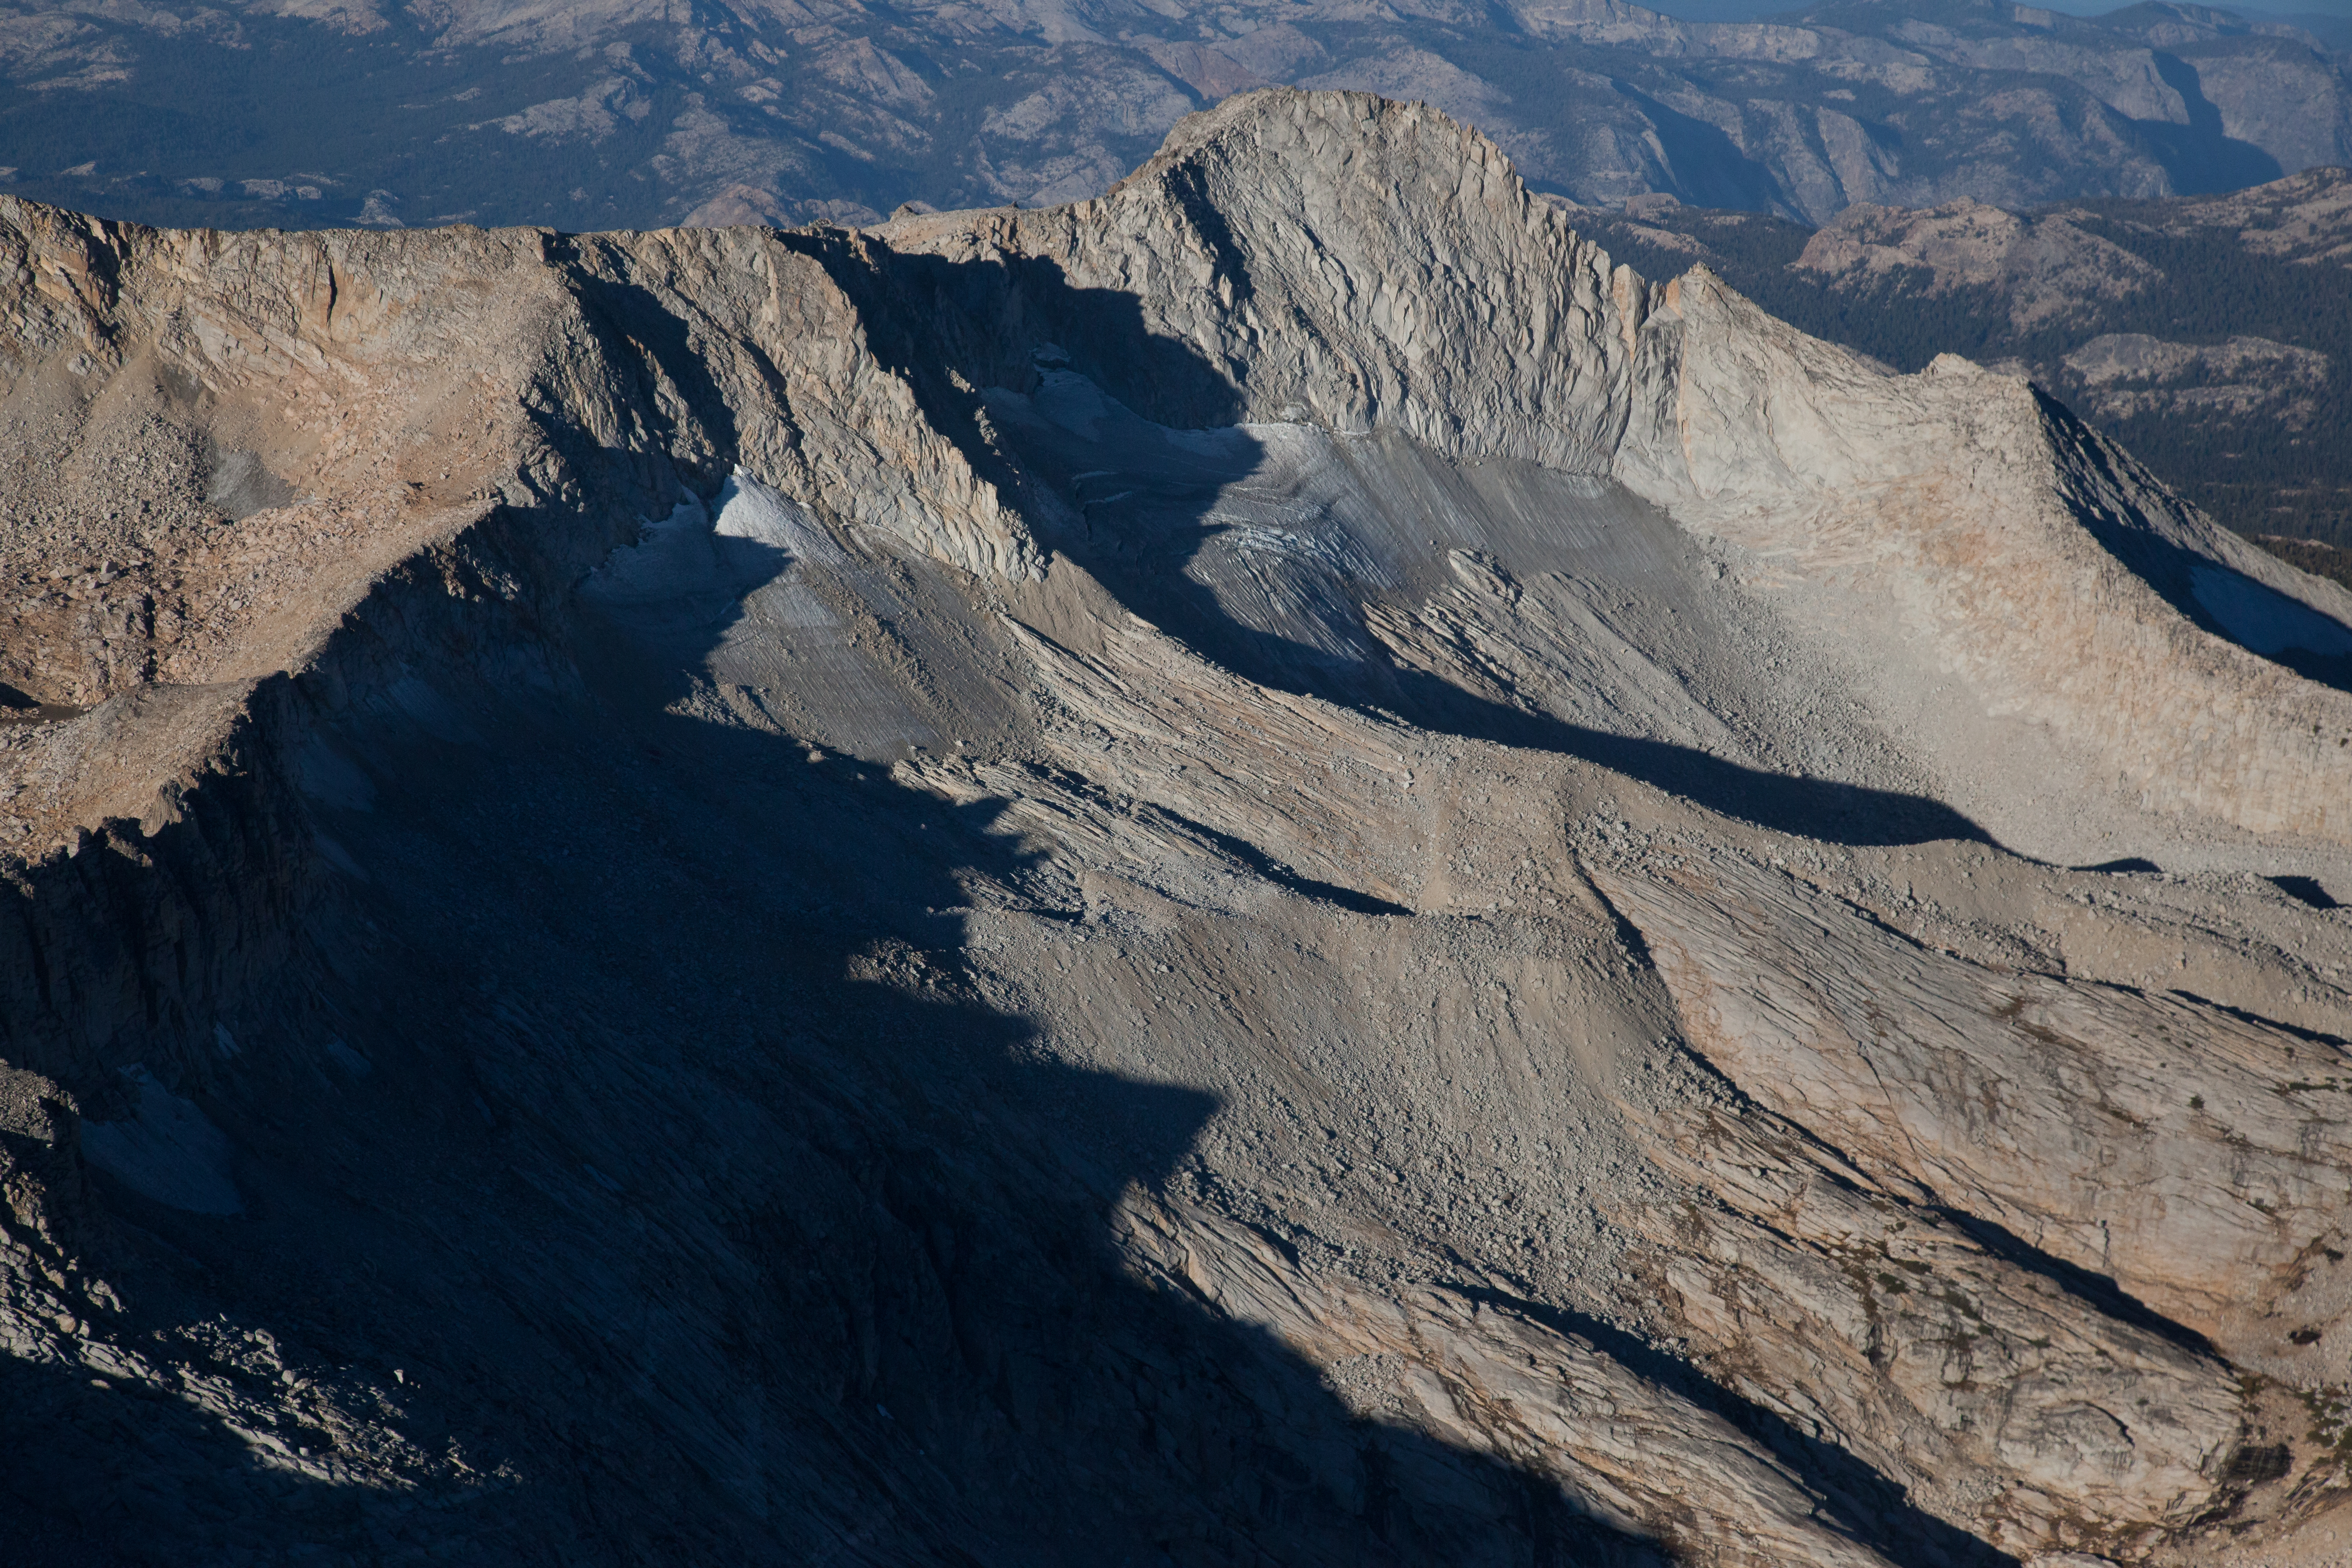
1269 869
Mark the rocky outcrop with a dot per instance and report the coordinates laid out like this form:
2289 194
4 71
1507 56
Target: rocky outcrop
2089 299
2134 376
2021 519
2207 1211
2047 269
1400 294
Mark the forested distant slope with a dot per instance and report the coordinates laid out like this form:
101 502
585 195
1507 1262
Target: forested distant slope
2212 336
610 113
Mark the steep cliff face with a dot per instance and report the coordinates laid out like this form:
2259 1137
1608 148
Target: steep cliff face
1272 857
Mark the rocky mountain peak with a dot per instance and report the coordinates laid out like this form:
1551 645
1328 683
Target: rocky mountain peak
1272 854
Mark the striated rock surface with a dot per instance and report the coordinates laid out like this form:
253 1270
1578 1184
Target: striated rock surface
1269 869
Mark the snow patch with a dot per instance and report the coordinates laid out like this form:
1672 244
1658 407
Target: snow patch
168 1150
698 563
671 559
749 510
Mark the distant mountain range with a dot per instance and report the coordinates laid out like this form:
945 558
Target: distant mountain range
615 113
2210 335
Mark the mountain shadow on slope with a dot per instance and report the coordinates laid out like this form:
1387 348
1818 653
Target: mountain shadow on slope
1854 1493
2201 156
2228 604
622 1091
1092 1124
1015 324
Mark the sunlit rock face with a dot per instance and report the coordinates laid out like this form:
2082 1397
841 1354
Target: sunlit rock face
1267 869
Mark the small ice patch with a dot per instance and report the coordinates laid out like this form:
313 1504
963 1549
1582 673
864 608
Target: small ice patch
1075 404
671 559
749 510
333 779
2264 620
432 710
167 1151
695 564
241 486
